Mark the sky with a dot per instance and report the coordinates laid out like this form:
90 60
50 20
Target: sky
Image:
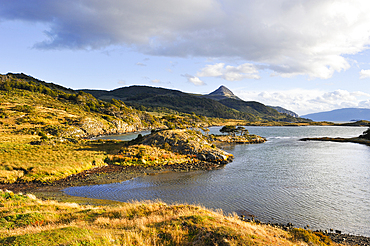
304 55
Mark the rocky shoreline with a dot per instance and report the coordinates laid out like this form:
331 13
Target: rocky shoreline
335 235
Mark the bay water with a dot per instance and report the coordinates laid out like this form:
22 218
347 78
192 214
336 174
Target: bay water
320 184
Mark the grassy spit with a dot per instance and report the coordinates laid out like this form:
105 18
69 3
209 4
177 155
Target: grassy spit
26 220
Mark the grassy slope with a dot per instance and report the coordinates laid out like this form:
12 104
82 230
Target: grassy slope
25 220
19 160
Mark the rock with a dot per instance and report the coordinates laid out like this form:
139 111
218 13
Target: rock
90 127
188 142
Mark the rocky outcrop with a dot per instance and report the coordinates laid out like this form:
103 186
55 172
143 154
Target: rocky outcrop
90 127
188 142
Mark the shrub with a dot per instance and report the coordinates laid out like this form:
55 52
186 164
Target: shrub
309 237
24 108
43 136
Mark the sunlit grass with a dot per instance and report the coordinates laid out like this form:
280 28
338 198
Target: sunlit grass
26 220
22 161
148 156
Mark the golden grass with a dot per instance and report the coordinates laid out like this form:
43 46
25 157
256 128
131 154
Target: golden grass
31 221
148 156
22 161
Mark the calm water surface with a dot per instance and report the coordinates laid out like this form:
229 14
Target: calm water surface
322 184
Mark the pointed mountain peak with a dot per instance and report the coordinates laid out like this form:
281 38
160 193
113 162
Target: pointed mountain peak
222 93
222 90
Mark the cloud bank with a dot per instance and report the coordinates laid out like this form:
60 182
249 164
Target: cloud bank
302 37
308 101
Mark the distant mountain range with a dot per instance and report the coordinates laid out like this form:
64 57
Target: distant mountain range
220 103
344 114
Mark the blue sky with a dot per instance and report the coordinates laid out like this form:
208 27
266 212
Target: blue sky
306 56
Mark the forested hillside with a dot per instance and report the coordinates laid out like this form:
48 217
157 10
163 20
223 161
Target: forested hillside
161 100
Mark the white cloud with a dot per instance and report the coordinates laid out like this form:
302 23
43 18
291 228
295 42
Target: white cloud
364 74
141 64
230 73
308 101
194 80
156 81
122 82
288 37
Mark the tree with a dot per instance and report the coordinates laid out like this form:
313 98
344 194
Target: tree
242 131
228 129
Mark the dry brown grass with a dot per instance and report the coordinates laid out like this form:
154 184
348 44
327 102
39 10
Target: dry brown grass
25 219
22 161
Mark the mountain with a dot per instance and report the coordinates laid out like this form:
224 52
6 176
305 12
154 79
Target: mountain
167 100
146 98
248 107
221 93
222 103
284 111
344 114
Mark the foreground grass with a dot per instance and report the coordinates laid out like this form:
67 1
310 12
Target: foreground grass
26 220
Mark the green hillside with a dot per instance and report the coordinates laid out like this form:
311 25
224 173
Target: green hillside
155 99
32 105
162 100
